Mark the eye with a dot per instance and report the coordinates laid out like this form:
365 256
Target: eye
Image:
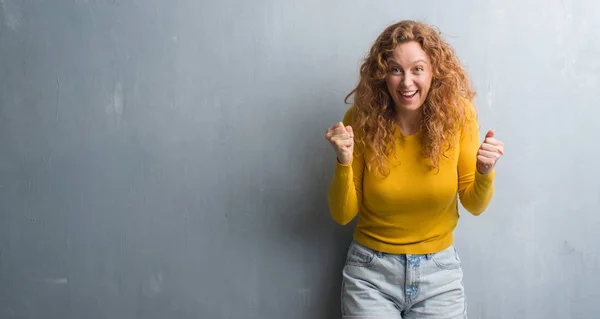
419 69
395 69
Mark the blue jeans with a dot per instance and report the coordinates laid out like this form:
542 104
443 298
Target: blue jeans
391 286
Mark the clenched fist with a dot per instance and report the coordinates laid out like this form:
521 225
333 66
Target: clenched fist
489 152
342 140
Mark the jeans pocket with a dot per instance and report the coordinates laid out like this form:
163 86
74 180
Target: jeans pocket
447 258
359 255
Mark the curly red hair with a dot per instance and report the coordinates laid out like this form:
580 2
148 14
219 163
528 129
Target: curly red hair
443 113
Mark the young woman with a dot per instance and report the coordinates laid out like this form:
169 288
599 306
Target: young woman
408 151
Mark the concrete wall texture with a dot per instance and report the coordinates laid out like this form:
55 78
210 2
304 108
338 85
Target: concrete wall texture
166 159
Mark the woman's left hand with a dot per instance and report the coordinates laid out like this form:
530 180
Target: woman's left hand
489 152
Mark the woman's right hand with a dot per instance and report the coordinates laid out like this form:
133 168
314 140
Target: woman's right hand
342 140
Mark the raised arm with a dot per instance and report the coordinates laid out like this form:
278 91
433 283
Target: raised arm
345 190
475 189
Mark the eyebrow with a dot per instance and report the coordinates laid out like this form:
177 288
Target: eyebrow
417 61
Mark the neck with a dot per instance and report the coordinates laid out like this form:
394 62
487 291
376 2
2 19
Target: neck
408 121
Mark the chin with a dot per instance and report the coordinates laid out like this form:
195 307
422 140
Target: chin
403 106
409 103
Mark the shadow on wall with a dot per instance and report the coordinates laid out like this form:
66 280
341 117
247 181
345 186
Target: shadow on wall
313 244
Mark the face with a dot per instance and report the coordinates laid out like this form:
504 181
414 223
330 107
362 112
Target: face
409 76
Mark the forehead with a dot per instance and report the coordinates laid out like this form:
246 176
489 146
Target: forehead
408 52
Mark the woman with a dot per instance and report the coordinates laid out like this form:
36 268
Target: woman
408 150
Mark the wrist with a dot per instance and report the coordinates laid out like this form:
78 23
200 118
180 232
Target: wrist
344 163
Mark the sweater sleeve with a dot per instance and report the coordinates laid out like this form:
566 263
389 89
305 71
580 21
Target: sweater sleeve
345 190
475 190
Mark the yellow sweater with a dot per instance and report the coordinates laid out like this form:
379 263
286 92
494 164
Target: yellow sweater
413 210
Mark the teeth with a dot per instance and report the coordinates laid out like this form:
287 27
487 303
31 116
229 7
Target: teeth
407 94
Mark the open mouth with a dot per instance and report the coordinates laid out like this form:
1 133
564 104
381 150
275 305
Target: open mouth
409 94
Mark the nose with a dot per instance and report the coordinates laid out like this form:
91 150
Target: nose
407 80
